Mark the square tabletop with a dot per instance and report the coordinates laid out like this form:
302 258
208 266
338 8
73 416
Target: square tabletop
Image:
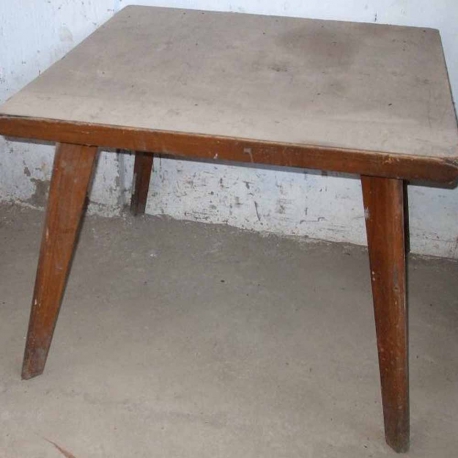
338 85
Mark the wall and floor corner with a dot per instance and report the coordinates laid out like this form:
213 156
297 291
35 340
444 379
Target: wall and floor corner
33 35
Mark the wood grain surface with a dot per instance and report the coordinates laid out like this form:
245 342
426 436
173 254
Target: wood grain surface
384 212
72 171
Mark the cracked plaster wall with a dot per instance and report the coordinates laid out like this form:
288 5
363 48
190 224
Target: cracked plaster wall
33 35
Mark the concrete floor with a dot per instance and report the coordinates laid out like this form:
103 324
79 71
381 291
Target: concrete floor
180 339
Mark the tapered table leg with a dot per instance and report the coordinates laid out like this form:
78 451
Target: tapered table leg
384 212
142 174
72 171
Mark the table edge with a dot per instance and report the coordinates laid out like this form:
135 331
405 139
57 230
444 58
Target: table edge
222 148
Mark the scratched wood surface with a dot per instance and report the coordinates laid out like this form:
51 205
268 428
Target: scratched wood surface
376 88
384 214
72 172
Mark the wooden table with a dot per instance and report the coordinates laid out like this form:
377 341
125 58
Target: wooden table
368 99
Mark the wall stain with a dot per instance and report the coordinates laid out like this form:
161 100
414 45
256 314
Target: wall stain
454 253
65 34
257 211
40 196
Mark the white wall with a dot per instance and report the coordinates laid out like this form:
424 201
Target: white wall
33 34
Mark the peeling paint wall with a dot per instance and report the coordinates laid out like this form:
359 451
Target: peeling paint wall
290 202
33 35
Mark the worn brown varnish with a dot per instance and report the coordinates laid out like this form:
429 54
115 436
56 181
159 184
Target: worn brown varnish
332 159
383 171
406 218
383 192
384 213
142 174
72 170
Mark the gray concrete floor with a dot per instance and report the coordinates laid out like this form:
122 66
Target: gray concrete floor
180 339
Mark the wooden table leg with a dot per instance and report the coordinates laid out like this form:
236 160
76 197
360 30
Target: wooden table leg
72 172
384 212
142 174
406 218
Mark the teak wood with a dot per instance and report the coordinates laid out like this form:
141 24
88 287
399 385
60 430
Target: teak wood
384 213
406 218
219 148
72 171
335 96
142 174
